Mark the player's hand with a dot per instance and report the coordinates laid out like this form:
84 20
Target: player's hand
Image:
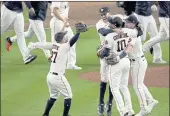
154 8
32 12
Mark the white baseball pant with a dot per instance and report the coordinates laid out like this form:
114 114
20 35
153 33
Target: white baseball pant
103 71
138 69
148 24
163 34
118 79
37 27
56 26
15 19
58 84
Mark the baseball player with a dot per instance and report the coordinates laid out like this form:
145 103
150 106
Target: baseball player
163 35
59 11
128 6
103 30
143 12
138 69
36 25
119 73
11 14
56 80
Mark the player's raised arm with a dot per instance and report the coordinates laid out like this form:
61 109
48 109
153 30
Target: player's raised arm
31 9
80 27
55 10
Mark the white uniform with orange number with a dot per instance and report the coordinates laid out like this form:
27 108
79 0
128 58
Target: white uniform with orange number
103 66
56 80
119 73
138 70
56 25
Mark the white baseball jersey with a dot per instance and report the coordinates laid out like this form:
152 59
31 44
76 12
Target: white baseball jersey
63 8
117 42
137 51
59 58
101 24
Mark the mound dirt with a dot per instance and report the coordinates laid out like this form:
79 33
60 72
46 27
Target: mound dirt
157 76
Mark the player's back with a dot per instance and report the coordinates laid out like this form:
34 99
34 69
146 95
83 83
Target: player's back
117 41
59 58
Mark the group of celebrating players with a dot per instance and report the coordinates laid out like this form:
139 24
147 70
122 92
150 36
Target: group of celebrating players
121 49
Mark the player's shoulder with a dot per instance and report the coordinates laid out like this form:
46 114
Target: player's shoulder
111 35
130 32
100 22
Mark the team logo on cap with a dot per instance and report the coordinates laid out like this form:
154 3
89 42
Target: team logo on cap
102 10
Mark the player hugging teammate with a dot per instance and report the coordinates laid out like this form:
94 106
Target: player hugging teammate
121 50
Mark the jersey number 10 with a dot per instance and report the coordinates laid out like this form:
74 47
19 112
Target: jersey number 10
121 45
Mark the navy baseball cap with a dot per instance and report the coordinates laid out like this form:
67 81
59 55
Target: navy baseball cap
104 10
132 19
60 35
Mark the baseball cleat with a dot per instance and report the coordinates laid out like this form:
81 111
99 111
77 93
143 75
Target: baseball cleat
101 109
74 67
30 59
108 109
152 104
8 44
144 112
159 61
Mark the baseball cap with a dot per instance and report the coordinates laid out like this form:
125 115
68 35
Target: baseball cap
132 19
60 35
104 10
117 21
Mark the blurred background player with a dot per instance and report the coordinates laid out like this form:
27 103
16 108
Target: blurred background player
163 34
36 25
103 29
143 12
11 14
59 11
128 6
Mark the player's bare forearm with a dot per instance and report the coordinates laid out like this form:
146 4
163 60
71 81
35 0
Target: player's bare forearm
57 15
126 51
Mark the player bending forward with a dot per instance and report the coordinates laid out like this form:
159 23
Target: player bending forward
118 74
57 83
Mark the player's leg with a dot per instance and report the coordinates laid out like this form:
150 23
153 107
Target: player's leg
7 18
38 28
165 25
19 30
115 73
28 34
56 26
71 64
157 52
65 90
162 36
137 71
103 85
124 87
54 93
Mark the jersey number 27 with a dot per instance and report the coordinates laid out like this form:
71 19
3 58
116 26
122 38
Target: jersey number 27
54 55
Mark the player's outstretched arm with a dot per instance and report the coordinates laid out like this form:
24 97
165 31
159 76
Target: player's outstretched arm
80 27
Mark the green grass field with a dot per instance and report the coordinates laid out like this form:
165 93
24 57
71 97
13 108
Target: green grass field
24 91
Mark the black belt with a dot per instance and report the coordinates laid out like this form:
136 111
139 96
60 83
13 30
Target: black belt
135 60
54 73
